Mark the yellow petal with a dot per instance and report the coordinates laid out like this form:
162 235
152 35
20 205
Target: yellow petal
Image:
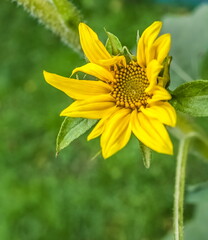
94 107
144 49
99 128
91 45
151 132
162 47
159 93
96 71
162 111
77 89
119 60
117 132
153 69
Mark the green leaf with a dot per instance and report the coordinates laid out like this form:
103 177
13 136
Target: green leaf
71 129
146 155
192 98
113 45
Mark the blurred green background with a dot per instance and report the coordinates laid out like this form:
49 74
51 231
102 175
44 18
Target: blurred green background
73 197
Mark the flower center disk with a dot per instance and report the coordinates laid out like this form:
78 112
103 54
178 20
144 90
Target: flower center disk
129 89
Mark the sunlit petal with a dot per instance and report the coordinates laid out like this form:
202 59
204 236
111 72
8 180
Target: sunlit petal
77 89
159 93
153 69
162 47
116 135
93 48
119 60
96 71
99 128
145 43
162 111
94 107
151 132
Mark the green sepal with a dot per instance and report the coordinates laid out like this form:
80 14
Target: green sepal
71 129
192 98
113 45
164 77
127 54
137 36
146 155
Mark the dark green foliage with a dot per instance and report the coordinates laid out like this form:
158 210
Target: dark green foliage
192 98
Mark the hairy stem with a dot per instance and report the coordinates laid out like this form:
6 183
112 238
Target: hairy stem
179 187
62 18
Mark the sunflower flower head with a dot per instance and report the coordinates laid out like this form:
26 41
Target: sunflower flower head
128 95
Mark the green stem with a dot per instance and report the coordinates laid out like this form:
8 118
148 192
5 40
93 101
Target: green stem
62 18
179 187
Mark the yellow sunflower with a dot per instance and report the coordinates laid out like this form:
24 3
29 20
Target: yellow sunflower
127 96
